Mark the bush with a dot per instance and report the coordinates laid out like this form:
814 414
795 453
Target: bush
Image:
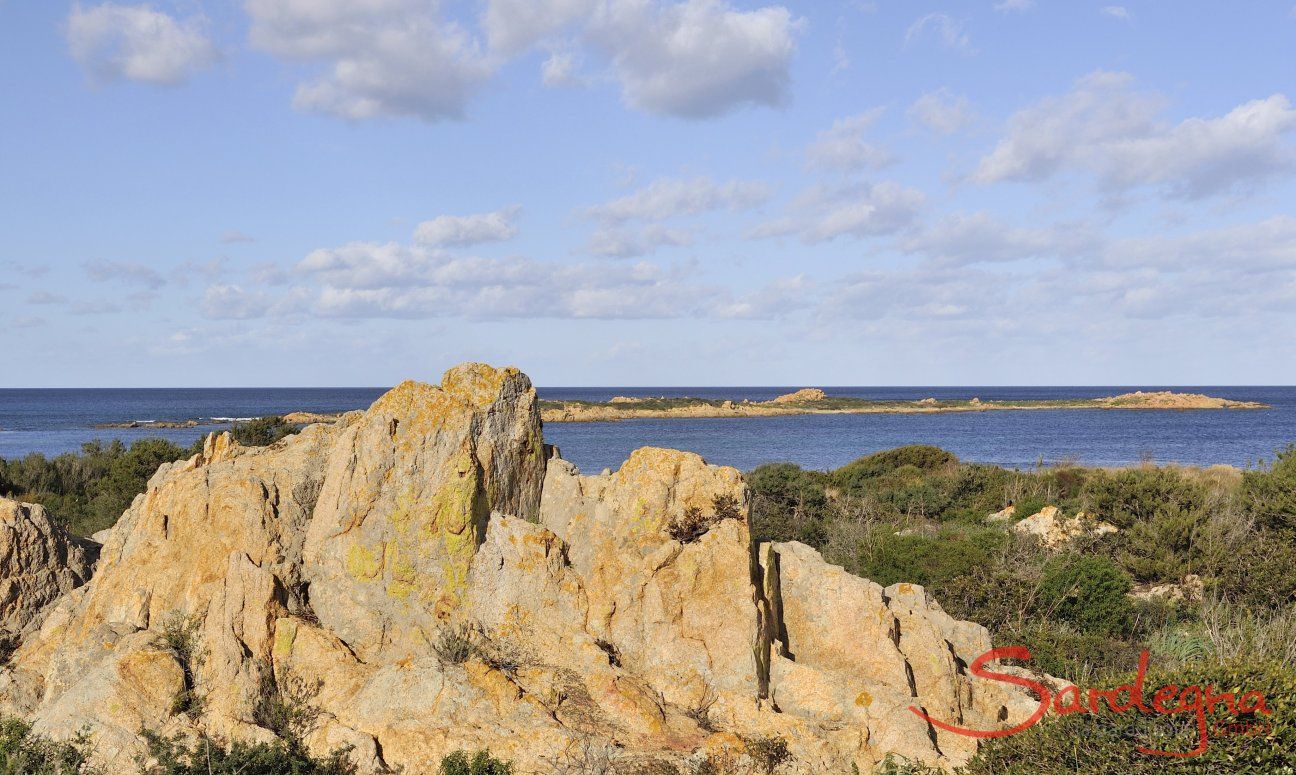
1090 593
456 643
23 752
1269 493
180 634
1107 742
263 431
87 492
206 756
767 752
481 763
929 560
1125 498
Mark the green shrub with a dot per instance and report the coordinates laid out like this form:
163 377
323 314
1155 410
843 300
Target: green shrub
481 763
456 643
23 752
87 492
767 752
206 756
1125 498
1089 593
1108 742
263 431
929 560
788 504
1269 493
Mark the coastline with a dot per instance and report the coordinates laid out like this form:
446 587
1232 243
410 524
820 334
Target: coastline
813 401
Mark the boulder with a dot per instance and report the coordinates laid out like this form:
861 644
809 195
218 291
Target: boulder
1052 530
39 562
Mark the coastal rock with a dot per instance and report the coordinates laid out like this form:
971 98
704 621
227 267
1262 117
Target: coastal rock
1053 530
39 562
407 492
433 579
804 394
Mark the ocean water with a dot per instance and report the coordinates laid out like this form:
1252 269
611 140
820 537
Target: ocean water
55 421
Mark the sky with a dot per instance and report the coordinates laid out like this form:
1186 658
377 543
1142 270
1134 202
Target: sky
647 192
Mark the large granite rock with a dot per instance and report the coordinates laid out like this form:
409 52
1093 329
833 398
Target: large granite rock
39 562
430 579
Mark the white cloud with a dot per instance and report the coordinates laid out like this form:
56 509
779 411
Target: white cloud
948 31
843 147
941 111
381 57
673 197
372 280
559 68
1007 6
462 230
112 41
826 212
512 26
963 239
697 58
125 272
1116 12
233 236
626 243
1105 128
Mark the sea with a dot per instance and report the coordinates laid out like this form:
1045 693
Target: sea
55 421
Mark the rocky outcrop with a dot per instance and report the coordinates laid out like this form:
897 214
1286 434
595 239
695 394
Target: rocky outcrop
437 580
1053 530
804 394
39 562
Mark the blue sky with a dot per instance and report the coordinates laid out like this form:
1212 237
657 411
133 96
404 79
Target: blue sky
320 192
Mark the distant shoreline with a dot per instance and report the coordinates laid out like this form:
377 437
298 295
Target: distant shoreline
815 401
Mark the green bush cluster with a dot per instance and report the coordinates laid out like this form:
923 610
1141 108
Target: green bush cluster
23 752
87 492
480 763
262 431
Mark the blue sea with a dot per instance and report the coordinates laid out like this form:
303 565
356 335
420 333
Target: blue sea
56 421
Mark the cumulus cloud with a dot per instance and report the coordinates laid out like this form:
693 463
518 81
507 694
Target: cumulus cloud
379 57
1105 128
128 272
698 58
941 111
463 230
825 212
1007 6
112 41
632 243
949 32
843 146
673 197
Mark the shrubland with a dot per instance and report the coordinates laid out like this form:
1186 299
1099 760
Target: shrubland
920 515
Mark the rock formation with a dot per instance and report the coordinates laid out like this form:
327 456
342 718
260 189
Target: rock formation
1054 530
442 581
804 394
39 562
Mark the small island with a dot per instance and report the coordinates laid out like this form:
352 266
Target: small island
815 401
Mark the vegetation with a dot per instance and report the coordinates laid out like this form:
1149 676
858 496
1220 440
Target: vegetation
263 431
918 514
205 756
23 752
87 492
480 763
